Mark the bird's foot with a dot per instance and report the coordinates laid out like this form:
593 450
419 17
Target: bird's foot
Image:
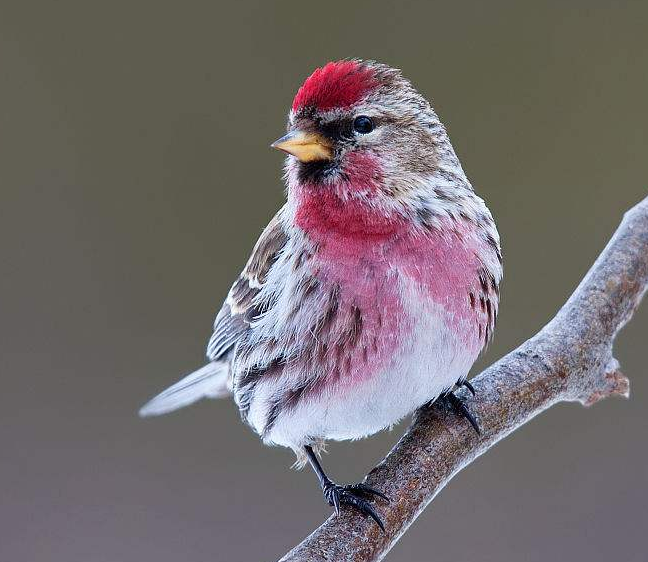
355 495
466 383
460 407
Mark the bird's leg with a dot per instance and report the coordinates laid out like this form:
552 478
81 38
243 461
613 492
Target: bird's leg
351 494
457 404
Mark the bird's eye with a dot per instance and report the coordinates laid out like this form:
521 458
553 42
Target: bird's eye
363 125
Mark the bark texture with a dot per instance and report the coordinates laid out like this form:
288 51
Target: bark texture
569 360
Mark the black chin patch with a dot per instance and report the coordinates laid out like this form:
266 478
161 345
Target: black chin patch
317 172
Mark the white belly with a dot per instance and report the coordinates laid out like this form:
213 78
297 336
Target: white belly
431 360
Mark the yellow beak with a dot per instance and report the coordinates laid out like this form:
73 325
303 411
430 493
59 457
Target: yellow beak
306 147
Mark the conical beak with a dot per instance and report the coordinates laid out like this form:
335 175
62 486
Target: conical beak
306 147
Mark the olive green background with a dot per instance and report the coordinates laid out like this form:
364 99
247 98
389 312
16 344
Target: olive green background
135 176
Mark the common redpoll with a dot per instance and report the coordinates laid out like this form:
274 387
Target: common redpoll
373 289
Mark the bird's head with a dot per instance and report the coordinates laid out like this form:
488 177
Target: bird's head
361 128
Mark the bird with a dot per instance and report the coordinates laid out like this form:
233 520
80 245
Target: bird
372 290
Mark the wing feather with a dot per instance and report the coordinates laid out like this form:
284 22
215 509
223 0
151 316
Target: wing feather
233 320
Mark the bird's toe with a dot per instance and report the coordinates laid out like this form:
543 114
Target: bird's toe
352 495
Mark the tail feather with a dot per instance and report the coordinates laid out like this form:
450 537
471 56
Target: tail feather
209 381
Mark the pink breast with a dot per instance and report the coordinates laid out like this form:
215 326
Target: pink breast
371 258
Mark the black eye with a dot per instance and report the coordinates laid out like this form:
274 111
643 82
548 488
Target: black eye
363 125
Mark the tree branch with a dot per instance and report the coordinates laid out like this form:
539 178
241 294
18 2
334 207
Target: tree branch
569 360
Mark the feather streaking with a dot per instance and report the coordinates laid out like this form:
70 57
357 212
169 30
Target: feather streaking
376 286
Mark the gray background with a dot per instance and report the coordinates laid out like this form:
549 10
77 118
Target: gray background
135 176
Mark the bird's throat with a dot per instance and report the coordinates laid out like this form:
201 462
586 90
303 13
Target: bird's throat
323 214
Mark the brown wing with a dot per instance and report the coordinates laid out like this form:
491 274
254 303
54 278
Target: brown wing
234 318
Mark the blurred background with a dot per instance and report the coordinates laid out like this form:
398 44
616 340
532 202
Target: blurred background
135 176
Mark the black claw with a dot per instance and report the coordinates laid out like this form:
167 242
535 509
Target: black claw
469 386
365 508
461 409
336 495
362 488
